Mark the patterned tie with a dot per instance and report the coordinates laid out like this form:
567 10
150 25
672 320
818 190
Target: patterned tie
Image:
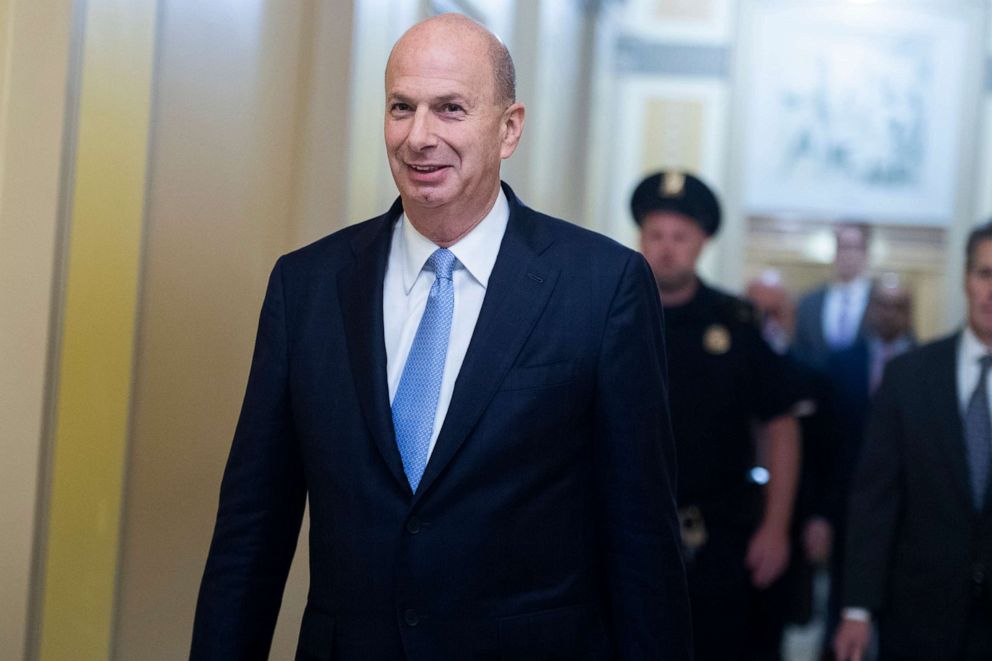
978 435
415 402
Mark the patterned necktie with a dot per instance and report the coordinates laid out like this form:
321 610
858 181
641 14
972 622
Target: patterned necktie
978 435
415 402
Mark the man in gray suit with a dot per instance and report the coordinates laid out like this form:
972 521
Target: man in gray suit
831 317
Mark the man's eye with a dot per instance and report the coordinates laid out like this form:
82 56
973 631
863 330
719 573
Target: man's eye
399 107
451 107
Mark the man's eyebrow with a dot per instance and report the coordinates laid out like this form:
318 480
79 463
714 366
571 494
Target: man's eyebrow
448 98
438 100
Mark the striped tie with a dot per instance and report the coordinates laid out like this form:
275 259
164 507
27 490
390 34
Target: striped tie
978 435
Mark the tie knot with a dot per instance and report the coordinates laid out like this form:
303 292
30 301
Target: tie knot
442 261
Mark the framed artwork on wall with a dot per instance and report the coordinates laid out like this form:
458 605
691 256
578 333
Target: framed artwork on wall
857 110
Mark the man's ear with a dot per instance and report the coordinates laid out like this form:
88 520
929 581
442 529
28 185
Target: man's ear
512 128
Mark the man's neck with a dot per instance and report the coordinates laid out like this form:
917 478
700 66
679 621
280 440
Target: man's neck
672 298
446 226
849 280
985 339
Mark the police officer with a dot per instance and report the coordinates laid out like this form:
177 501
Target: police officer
723 379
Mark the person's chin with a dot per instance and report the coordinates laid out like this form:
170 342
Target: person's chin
428 196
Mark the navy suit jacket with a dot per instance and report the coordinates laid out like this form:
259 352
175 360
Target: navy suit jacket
544 526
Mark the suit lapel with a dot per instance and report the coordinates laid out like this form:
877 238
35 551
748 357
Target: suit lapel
945 403
518 291
360 292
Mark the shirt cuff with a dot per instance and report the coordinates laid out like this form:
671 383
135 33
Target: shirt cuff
856 614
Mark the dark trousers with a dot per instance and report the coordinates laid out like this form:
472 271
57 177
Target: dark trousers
978 640
732 620
977 644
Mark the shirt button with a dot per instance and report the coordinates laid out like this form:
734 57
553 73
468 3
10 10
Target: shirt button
411 618
413 525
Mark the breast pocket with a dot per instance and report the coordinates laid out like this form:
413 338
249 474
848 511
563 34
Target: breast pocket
538 376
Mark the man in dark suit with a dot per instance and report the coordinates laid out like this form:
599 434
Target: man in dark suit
919 543
831 317
854 375
472 397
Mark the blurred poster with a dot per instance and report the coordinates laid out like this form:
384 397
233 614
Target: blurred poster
854 110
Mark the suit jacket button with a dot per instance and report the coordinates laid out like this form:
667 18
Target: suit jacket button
411 618
413 525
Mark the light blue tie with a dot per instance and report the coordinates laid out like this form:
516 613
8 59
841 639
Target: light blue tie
415 402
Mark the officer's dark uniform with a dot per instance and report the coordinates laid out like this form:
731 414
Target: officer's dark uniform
722 377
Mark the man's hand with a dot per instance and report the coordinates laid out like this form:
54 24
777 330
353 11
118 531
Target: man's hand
852 640
818 539
767 555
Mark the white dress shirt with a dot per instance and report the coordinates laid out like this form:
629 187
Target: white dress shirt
970 349
842 311
407 284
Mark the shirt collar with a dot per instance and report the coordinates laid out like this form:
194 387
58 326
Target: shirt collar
854 287
476 251
898 345
971 347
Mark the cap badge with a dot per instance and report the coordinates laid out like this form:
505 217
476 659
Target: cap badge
672 184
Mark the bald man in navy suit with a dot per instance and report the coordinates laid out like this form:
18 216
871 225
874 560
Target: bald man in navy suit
472 397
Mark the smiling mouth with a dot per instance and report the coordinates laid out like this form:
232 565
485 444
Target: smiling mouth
425 168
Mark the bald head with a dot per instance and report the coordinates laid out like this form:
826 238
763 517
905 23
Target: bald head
448 124
890 308
470 37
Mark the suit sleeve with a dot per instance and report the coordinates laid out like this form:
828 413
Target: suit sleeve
876 500
261 506
635 477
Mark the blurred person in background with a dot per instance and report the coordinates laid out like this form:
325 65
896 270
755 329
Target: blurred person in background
919 524
811 536
831 317
776 309
724 376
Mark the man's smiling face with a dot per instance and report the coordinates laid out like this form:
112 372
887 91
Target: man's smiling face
445 128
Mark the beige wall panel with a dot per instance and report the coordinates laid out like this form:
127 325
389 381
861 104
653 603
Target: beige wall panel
983 204
34 68
548 168
238 176
321 204
673 135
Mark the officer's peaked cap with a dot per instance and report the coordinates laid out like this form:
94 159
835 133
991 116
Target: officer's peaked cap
681 192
